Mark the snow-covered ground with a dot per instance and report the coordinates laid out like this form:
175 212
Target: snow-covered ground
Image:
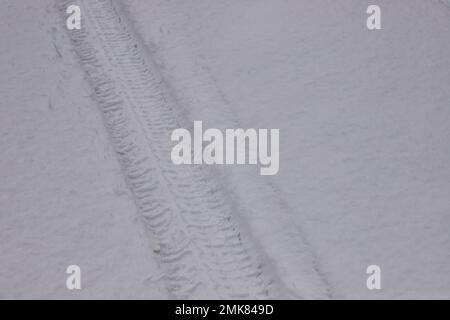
63 198
364 124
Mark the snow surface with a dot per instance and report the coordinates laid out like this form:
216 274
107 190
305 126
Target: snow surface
364 173
63 198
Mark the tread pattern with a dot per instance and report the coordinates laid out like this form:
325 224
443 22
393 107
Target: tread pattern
199 246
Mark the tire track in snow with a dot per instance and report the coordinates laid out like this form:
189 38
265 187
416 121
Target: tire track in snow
268 216
184 210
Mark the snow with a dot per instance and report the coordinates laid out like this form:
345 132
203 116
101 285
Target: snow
86 176
363 120
63 199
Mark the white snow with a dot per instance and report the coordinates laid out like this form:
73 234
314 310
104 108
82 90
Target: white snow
63 198
363 117
364 155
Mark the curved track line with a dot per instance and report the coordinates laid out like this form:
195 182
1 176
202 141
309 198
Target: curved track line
186 211
260 206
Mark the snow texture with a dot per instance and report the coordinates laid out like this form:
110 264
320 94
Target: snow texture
86 176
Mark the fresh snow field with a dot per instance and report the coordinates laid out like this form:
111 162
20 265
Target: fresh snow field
86 177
